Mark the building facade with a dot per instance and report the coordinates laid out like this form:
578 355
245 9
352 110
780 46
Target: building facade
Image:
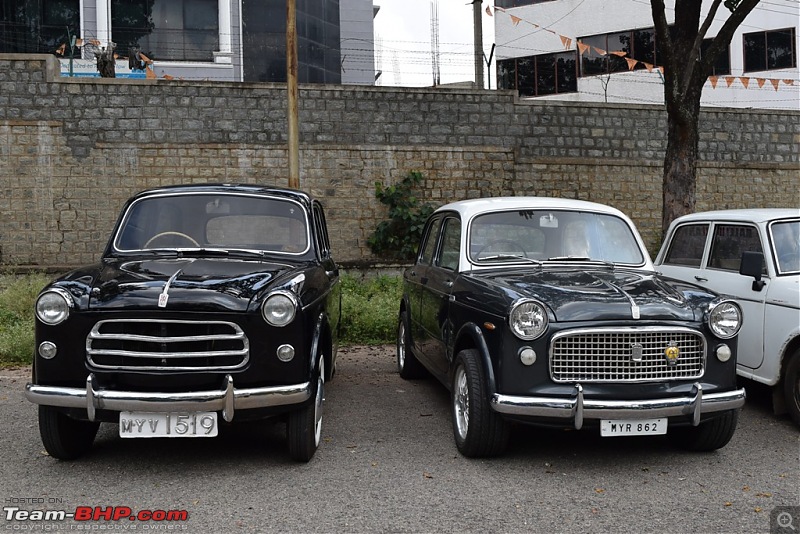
215 40
607 52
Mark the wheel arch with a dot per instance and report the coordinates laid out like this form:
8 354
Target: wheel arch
322 343
470 336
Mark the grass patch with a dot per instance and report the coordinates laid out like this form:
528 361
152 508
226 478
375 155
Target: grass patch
369 309
17 298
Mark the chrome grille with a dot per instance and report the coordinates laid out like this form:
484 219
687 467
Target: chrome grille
626 355
167 345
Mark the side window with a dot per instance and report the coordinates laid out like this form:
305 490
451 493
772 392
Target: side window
451 243
729 241
429 244
687 245
320 228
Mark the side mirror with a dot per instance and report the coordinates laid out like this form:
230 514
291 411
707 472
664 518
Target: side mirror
751 265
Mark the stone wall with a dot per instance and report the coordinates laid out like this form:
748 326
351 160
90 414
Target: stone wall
73 150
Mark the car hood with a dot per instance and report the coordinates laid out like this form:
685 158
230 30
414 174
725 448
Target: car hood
603 295
193 284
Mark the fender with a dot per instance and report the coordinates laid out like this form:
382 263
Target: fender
474 332
313 353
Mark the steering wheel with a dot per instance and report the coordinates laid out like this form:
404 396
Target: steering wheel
513 244
171 233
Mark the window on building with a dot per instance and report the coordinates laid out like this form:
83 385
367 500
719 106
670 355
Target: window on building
545 74
177 30
770 50
38 26
722 65
607 52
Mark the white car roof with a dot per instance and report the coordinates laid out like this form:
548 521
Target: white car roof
757 215
469 208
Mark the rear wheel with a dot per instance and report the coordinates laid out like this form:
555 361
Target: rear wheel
63 437
710 435
791 387
407 364
304 426
478 430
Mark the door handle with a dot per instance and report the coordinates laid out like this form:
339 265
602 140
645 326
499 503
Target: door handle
701 279
449 283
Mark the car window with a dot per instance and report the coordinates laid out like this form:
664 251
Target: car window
786 241
688 243
429 245
728 243
321 230
451 243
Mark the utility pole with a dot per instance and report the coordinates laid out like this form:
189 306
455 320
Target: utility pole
478 28
293 94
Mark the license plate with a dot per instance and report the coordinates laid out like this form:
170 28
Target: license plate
168 424
639 427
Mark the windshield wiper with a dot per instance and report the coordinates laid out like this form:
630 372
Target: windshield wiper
509 257
582 258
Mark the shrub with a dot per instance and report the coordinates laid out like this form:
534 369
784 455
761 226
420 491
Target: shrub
369 309
17 298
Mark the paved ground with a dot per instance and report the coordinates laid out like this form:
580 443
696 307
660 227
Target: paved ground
388 463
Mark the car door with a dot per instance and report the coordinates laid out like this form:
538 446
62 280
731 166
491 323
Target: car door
715 266
436 288
429 245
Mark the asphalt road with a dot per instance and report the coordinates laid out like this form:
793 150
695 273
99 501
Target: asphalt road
388 463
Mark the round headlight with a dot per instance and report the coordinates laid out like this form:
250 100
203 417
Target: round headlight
725 319
279 308
528 319
52 307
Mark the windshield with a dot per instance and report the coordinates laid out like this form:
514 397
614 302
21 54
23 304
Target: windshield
214 221
786 237
552 235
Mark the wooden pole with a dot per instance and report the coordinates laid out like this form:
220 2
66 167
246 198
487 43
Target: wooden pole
293 94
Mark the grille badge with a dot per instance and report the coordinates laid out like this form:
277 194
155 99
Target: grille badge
637 351
672 353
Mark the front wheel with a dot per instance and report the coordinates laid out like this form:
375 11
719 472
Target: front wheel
710 435
478 430
63 437
791 387
304 426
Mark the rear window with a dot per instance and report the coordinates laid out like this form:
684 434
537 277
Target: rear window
688 243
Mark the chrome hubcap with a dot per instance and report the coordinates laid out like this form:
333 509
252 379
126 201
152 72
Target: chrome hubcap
461 403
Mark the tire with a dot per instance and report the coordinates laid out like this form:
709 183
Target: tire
63 437
407 364
710 435
791 387
478 430
304 426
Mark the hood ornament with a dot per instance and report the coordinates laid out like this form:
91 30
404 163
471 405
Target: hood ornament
163 298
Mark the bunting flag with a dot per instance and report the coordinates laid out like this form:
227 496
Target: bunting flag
631 63
599 51
661 69
582 48
149 74
745 81
489 10
729 80
78 42
648 66
788 82
566 41
761 82
500 9
619 53
168 77
61 49
713 80
774 84
515 20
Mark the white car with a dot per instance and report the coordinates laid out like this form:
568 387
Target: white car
752 255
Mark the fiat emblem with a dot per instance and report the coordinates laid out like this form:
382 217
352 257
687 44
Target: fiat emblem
672 353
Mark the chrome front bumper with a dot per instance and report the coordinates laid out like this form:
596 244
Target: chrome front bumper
227 399
578 409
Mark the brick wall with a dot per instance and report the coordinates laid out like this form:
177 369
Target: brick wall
73 150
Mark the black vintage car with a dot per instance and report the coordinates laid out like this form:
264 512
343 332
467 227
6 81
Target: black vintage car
548 311
211 304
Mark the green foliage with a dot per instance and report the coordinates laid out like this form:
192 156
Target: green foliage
17 298
369 309
399 237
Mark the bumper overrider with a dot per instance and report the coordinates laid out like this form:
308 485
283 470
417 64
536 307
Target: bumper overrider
227 399
578 409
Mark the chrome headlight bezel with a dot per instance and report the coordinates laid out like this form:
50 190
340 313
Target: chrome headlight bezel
528 319
724 318
53 306
279 308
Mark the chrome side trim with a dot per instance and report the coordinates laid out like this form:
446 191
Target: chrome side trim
577 408
227 399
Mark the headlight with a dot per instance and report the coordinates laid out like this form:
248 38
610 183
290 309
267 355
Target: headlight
724 318
52 306
527 319
280 308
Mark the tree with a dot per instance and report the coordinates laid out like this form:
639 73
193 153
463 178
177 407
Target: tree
686 70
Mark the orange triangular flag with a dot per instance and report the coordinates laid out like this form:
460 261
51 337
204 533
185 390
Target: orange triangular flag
648 66
713 80
168 77
149 74
61 49
619 53
599 51
774 84
489 10
729 80
582 48
566 41
631 63
145 59
761 82
745 81
78 42
788 82
515 20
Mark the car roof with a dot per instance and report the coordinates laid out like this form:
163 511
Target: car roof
758 215
470 208
252 189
